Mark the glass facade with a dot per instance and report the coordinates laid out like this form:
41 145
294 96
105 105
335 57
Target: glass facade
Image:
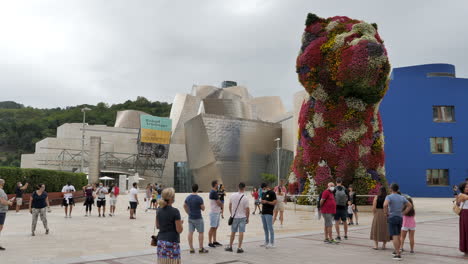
441 145
437 177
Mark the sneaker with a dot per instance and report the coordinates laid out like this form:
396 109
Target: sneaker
69 216
33 234
326 241
346 237
192 251
393 253
397 257
264 245
240 251
2 248
338 238
66 216
211 245
217 244
228 249
202 251
99 216
110 215
412 252
86 215
103 215
271 246
333 241
47 231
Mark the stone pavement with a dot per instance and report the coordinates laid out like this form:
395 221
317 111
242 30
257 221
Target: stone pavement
435 243
119 240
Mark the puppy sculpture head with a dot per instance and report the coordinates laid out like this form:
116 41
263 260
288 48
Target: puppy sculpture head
344 58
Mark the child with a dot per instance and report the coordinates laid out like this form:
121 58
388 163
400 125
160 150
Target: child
256 200
409 225
350 212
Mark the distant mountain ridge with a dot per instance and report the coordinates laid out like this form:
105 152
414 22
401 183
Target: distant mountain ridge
21 127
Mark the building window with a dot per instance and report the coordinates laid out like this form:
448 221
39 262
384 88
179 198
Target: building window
443 113
441 144
436 177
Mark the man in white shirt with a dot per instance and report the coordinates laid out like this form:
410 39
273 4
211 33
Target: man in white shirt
101 199
133 199
240 211
68 202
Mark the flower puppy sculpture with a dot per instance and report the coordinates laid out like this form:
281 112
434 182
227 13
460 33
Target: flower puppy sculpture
344 67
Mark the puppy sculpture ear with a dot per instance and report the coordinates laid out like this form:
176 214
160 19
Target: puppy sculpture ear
375 26
311 18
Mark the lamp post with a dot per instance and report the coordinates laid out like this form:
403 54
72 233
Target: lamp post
83 136
278 140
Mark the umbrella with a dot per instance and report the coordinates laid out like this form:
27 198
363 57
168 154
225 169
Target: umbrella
106 178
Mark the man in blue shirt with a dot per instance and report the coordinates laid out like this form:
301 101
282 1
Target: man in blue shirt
393 208
193 206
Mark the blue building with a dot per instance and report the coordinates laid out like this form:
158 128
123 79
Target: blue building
425 118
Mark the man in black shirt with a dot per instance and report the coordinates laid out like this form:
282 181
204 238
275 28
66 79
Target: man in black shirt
268 201
19 195
341 198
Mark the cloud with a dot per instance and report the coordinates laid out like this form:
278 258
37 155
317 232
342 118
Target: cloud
61 53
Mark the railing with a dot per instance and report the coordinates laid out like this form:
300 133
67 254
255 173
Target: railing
295 196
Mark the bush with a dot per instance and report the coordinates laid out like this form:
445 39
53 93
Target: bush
54 180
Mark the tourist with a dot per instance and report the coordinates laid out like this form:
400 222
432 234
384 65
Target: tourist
159 190
101 199
256 196
350 211
341 198
260 195
353 198
37 207
222 194
393 208
215 212
114 193
148 196
455 191
193 206
408 226
379 230
280 186
170 226
4 203
89 198
268 204
133 200
240 204
68 190
19 195
462 202
280 206
328 209
154 198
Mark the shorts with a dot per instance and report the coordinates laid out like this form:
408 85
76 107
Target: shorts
394 225
408 228
350 216
153 201
19 201
279 207
113 201
257 202
159 197
70 202
196 224
101 202
328 218
238 225
341 214
133 205
214 219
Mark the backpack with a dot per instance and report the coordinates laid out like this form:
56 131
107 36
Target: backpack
340 196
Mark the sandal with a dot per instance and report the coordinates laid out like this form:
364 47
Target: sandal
192 251
375 248
202 251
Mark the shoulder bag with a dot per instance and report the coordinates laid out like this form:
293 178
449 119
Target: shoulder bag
457 209
231 218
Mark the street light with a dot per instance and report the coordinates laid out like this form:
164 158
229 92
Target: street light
83 136
278 157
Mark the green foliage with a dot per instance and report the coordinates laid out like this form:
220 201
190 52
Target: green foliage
269 178
54 180
21 127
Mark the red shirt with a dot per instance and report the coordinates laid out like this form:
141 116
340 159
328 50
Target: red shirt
255 195
329 204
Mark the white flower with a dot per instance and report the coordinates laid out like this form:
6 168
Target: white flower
331 26
312 189
318 120
292 177
322 163
381 171
319 94
363 150
356 104
350 135
310 129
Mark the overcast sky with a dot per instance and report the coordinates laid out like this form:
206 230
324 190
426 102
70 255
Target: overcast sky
62 53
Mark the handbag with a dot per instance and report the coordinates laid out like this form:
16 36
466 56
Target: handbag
457 209
231 218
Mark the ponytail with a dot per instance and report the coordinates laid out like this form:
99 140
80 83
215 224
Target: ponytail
167 195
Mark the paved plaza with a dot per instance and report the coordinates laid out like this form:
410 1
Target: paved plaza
113 240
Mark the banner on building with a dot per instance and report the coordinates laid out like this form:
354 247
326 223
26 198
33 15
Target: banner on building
155 130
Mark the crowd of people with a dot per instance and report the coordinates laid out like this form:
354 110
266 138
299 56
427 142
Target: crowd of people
393 213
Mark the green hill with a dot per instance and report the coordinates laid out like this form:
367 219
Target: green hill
21 127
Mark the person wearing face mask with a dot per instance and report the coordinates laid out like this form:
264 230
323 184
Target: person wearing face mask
37 207
328 209
101 199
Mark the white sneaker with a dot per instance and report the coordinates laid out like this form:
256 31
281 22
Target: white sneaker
271 246
264 245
